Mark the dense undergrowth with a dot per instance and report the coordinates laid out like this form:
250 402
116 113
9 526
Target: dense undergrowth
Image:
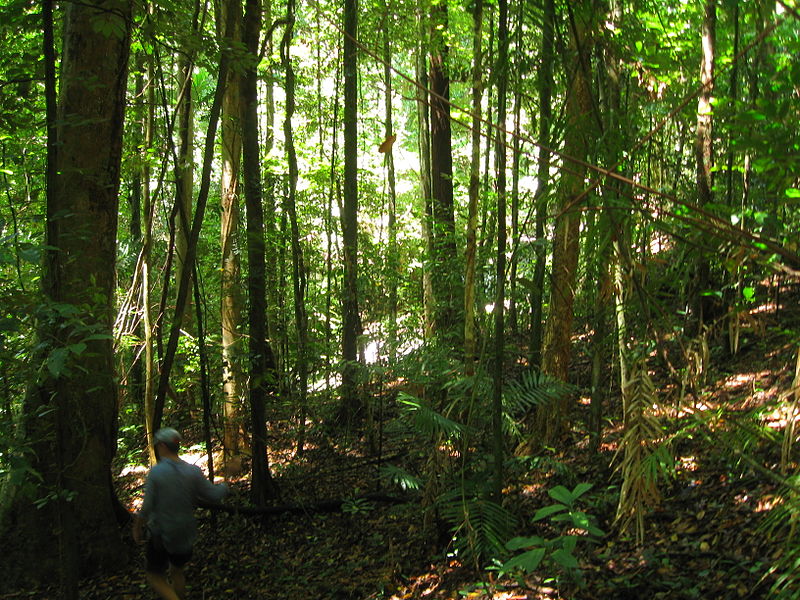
722 527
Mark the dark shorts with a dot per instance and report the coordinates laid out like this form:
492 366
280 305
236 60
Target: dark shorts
158 559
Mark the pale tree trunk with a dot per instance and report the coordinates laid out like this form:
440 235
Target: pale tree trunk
470 338
185 167
578 137
147 250
230 280
704 159
69 415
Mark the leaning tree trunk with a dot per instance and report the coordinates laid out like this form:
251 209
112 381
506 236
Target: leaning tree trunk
67 523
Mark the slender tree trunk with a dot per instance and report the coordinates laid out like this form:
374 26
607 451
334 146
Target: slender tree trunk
68 523
704 158
351 401
392 260
423 136
447 286
545 87
262 361
230 281
500 274
470 338
578 138
191 250
299 278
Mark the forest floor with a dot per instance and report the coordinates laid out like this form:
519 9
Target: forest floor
706 538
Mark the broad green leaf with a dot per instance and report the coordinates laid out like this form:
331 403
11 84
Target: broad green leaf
528 561
793 193
546 511
569 542
56 361
581 489
561 494
565 559
518 543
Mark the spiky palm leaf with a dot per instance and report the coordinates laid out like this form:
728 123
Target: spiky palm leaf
427 420
480 526
645 460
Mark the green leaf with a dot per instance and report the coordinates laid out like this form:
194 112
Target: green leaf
581 489
569 542
565 559
546 511
518 543
749 293
528 561
793 193
77 348
56 361
561 494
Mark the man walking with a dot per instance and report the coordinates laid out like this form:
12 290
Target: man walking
172 490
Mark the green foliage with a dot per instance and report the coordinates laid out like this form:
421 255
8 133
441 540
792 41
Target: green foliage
428 421
480 526
557 553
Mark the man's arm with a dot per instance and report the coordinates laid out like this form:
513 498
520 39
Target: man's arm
206 493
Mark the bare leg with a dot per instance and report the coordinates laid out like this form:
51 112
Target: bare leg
178 581
162 587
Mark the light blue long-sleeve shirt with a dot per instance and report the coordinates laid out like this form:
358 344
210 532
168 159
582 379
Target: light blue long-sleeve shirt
171 492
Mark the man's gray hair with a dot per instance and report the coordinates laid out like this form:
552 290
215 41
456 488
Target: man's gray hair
168 436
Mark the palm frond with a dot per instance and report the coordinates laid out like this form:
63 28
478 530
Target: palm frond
426 420
532 389
480 526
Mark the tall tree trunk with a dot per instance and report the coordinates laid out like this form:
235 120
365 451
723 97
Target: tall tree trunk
350 398
470 338
500 274
230 281
545 88
262 361
150 376
68 525
423 137
704 156
577 139
391 277
447 286
299 279
184 288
